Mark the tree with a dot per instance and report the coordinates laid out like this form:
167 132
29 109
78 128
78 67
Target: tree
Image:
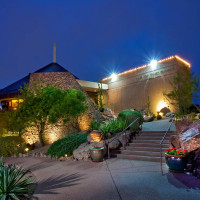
43 105
100 97
184 87
149 112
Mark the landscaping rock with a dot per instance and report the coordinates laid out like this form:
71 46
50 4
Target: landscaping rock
125 138
170 114
83 151
175 141
190 139
115 144
89 139
182 126
108 114
148 119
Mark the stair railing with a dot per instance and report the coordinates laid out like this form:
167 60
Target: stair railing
121 133
172 120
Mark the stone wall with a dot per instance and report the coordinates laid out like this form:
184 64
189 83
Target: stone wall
63 80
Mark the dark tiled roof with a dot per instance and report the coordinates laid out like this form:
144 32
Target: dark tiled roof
13 89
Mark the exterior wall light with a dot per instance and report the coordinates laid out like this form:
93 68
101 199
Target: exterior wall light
113 77
161 105
153 64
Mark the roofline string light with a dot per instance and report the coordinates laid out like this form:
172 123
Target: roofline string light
144 66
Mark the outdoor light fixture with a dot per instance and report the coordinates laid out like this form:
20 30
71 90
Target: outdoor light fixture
161 105
153 64
113 77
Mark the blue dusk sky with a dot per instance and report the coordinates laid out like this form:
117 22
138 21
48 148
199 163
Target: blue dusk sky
95 37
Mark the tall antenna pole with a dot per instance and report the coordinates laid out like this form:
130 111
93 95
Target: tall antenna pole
54 52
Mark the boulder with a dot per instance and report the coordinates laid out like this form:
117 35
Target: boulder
190 139
113 143
170 114
83 151
175 141
108 114
125 138
148 119
89 139
182 126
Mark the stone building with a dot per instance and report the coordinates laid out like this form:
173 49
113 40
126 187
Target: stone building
131 89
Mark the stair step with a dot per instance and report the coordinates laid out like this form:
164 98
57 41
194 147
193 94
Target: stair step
149 141
156 134
163 132
152 149
142 158
142 153
148 145
150 138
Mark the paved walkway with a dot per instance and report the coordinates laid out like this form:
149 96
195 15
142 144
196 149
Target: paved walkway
135 180
158 125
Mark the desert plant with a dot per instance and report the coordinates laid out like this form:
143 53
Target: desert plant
113 126
100 98
15 182
95 125
159 117
11 145
130 116
66 145
184 87
149 112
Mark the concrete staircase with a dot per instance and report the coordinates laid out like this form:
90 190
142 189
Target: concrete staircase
146 146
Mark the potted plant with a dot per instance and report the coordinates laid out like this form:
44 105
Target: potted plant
176 159
97 154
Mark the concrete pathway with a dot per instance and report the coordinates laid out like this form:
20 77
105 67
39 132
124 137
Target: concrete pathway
133 180
158 125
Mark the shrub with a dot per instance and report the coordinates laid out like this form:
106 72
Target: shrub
95 125
159 117
11 145
113 126
15 183
67 145
130 116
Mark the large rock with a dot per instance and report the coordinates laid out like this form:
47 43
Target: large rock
148 119
175 141
108 114
83 151
170 114
113 143
125 138
190 139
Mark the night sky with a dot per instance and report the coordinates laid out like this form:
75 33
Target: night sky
95 37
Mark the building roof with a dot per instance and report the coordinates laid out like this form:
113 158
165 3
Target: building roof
144 66
13 89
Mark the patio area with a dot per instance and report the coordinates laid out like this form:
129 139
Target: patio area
81 180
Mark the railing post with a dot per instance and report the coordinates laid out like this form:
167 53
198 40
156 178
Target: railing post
108 152
161 159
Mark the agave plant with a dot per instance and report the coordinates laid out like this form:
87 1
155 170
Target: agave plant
15 182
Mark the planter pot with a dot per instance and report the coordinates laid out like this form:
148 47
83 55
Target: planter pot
97 154
176 163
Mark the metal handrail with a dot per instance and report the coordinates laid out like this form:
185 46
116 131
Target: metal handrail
162 143
119 134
